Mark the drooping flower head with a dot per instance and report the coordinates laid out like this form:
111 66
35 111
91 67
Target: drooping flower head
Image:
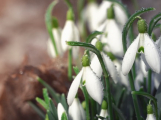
57 37
70 33
143 44
91 81
104 107
150 113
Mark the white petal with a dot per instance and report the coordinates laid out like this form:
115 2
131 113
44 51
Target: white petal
60 110
75 111
111 68
120 14
74 88
114 38
152 54
102 12
67 34
103 113
130 56
93 85
150 117
75 49
96 66
57 38
138 80
147 67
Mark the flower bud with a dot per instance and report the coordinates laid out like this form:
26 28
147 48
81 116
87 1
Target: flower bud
70 14
99 45
142 26
84 105
85 60
104 105
149 109
110 12
55 23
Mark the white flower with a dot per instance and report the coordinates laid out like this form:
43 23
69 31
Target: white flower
92 82
76 111
90 16
112 37
96 67
57 37
150 117
70 33
151 52
103 113
120 14
60 110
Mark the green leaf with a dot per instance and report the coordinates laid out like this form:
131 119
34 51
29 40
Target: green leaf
50 116
153 22
63 102
46 96
118 112
121 97
150 97
50 89
76 70
48 21
92 36
38 111
129 24
42 102
64 116
53 109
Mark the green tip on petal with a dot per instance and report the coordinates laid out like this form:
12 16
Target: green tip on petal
70 14
64 116
149 109
55 23
85 60
112 57
141 49
142 26
104 105
110 12
84 105
99 45
154 37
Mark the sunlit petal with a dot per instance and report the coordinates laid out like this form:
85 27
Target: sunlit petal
60 110
111 68
96 66
130 56
75 111
74 88
152 54
93 85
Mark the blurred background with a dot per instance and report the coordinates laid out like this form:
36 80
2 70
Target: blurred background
23 33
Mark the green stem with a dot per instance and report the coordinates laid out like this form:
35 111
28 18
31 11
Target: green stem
149 81
121 98
97 52
70 64
93 108
87 102
135 100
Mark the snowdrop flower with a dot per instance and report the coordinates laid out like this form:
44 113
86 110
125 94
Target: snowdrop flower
96 66
76 111
120 14
90 16
144 44
150 113
104 112
112 34
60 111
57 37
70 33
92 82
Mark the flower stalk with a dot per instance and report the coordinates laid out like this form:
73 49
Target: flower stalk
70 64
93 49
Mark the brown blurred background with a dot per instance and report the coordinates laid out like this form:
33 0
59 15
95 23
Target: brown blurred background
23 32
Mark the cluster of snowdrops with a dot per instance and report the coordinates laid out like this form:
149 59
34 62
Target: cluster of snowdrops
113 58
